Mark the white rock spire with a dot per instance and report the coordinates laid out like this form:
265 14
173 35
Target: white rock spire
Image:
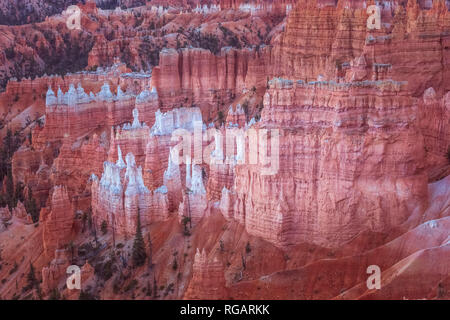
194 178
111 178
173 169
147 96
136 124
197 180
120 163
50 99
71 96
134 177
184 118
105 93
82 97
120 93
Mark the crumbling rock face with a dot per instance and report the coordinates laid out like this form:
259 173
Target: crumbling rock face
435 117
208 280
132 136
5 214
361 161
52 274
57 220
324 41
70 165
20 213
198 77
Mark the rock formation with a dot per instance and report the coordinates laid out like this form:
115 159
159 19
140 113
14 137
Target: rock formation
194 198
52 274
189 73
208 280
343 129
120 195
288 141
57 221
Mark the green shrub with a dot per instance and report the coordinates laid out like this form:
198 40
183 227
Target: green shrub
131 285
14 268
55 295
104 227
85 295
175 264
139 254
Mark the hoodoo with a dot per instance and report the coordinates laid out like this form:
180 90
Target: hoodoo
225 149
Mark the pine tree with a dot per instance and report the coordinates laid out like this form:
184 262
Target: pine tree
155 288
3 163
139 254
175 263
31 277
31 207
148 290
11 142
150 252
104 227
10 199
8 143
54 295
71 248
18 194
248 249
